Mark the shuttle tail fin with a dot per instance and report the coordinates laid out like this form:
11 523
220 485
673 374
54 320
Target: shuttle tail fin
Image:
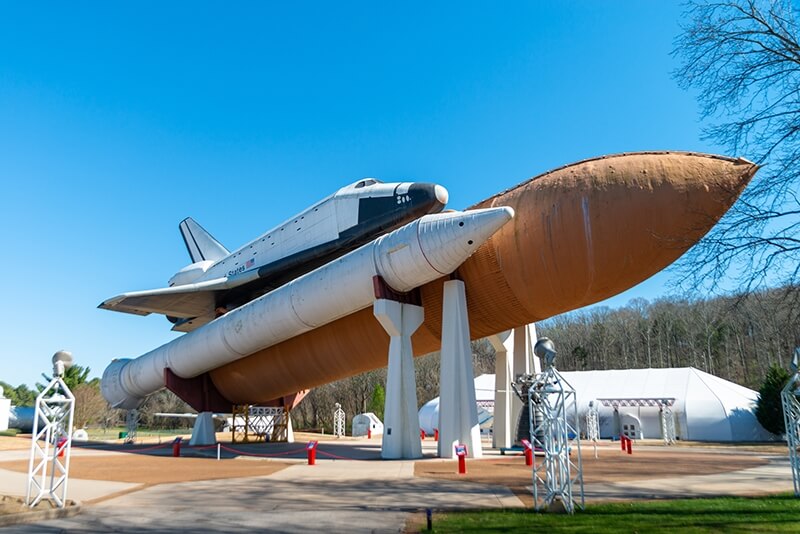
200 244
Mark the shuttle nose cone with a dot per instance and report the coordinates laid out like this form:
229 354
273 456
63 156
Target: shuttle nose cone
441 194
432 198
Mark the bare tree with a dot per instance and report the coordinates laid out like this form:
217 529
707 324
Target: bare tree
164 401
90 406
743 58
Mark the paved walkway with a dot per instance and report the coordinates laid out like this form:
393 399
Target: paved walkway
334 495
774 477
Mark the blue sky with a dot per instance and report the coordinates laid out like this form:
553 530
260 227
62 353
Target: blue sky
117 121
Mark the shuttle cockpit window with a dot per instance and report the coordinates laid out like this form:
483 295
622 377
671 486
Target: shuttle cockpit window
366 183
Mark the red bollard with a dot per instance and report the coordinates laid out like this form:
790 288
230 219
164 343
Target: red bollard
626 444
369 433
528 450
435 434
422 435
461 452
312 452
60 445
176 447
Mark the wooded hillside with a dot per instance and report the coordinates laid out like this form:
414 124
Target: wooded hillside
736 338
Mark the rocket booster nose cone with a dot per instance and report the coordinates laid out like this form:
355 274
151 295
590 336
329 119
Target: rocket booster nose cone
509 211
449 239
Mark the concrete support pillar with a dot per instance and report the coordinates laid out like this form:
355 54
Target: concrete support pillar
401 422
521 342
458 412
502 426
514 357
289 429
203 431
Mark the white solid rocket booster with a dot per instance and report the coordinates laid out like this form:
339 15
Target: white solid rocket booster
413 255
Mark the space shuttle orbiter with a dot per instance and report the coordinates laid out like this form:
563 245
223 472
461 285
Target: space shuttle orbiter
218 281
556 242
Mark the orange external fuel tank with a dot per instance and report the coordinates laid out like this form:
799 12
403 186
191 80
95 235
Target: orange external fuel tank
582 233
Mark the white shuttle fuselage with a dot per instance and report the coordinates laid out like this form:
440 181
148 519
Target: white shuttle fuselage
218 280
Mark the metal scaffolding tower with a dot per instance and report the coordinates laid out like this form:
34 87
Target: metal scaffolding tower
664 405
593 425
667 424
338 421
790 398
259 423
554 433
51 442
132 425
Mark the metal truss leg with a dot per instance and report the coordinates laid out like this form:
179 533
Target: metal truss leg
555 434
790 398
132 418
51 445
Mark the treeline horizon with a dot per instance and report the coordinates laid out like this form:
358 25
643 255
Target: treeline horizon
735 337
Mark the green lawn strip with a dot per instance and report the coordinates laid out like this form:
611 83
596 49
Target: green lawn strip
113 432
725 514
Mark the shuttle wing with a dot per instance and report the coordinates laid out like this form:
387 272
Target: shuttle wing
174 302
184 301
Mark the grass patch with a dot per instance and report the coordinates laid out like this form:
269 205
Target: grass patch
779 513
11 432
113 432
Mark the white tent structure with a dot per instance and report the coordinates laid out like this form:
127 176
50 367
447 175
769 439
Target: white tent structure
484 398
705 407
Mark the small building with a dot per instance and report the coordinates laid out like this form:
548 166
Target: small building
364 423
5 410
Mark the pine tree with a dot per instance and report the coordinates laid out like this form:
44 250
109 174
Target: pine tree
377 401
769 410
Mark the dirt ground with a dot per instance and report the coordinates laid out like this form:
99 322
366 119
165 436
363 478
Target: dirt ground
12 505
151 470
155 469
11 443
611 466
